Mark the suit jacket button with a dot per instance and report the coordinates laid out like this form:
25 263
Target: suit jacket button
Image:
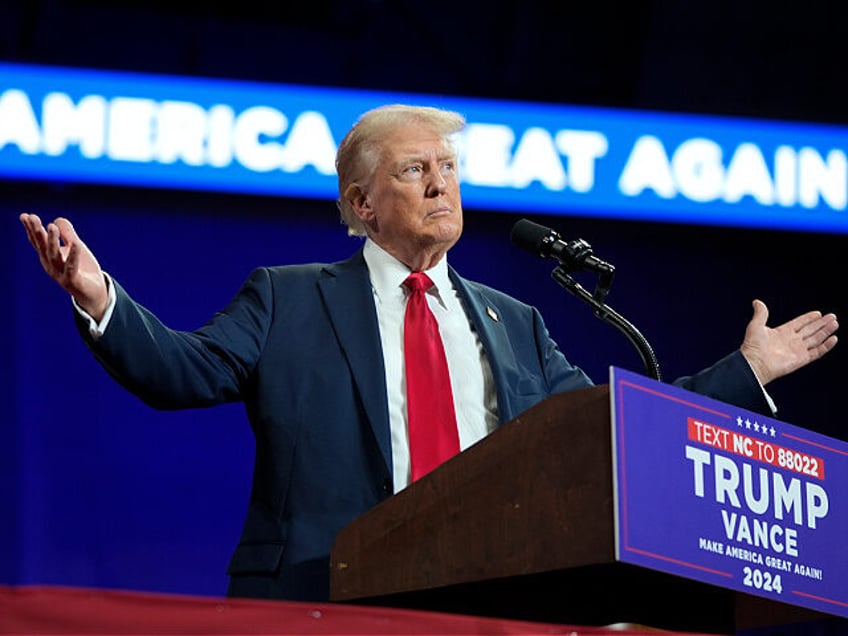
387 485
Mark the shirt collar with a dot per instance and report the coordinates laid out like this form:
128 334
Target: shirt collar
388 273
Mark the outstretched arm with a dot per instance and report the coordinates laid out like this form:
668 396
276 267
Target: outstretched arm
775 352
69 262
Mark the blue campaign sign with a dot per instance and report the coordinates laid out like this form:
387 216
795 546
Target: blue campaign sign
191 133
729 497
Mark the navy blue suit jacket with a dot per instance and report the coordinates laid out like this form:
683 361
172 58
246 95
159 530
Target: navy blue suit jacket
300 346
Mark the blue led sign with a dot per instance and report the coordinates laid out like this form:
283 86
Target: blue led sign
146 130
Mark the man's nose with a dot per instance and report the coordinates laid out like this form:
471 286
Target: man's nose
436 184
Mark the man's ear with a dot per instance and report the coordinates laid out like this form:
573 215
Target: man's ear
359 202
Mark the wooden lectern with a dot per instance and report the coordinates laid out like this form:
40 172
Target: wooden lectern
521 525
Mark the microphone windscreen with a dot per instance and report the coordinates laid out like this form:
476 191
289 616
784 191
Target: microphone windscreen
530 236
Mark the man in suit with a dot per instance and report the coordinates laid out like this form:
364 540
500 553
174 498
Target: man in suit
316 352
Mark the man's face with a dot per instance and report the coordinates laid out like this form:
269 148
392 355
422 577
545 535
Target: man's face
412 206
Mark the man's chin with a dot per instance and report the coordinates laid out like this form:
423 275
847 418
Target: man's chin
447 231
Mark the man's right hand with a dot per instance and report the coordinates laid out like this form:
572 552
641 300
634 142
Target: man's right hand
69 262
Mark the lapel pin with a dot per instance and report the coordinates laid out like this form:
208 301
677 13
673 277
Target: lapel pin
492 313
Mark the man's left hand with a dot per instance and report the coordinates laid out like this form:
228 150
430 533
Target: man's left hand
773 353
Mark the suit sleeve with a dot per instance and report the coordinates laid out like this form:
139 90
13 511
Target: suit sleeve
560 374
170 369
730 380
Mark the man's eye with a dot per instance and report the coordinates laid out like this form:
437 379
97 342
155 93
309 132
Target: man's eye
412 169
448 166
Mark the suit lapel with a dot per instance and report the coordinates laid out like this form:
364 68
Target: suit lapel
346 291
485 316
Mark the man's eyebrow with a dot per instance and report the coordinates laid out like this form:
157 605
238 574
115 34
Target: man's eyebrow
422 157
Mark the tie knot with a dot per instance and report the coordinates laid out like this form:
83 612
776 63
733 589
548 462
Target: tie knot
418 281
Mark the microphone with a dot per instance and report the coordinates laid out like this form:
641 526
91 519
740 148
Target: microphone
546 243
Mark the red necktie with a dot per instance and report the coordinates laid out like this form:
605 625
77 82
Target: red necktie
433 436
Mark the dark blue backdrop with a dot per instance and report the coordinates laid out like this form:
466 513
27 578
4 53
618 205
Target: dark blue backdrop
100 490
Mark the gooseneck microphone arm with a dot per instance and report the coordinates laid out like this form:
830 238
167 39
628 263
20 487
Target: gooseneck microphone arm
576 256
612 317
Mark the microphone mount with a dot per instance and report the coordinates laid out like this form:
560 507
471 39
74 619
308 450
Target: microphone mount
577 255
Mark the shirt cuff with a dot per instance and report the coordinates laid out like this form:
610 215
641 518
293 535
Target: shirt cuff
769 401
95 329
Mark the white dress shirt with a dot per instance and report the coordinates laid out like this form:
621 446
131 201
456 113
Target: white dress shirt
473 387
